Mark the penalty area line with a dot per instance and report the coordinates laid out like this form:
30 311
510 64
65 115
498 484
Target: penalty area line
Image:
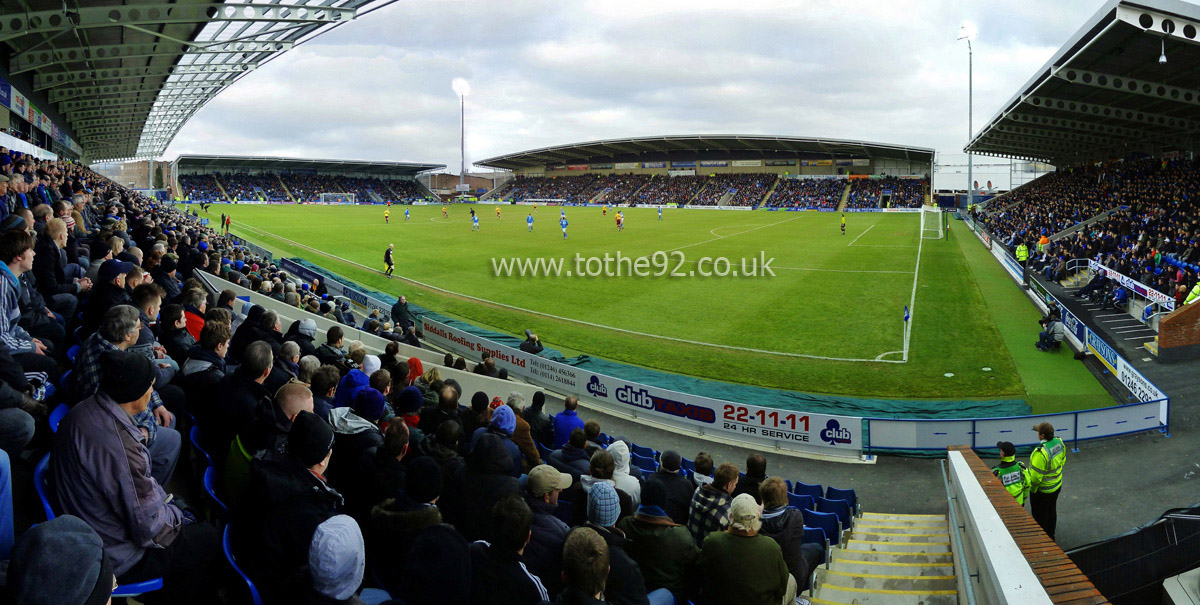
581 322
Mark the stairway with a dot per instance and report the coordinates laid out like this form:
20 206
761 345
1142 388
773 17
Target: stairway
890 560
224 194
845 196
286 191
766 198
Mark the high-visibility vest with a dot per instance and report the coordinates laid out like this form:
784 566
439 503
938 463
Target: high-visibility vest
1046 466
1194 295
1013 477
1022 253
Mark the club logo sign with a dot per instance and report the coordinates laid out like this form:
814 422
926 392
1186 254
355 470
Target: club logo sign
597 388
835 434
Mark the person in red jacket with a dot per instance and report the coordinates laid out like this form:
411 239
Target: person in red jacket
195 303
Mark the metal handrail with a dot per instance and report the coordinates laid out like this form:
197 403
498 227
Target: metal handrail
954 527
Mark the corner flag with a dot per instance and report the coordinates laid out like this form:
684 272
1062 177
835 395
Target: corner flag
906 315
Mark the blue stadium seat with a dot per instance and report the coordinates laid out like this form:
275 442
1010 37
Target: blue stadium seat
43 488
227 546
137 588
801 502
563 511
642 451
816 535
65 380
826 521
841 508
686 464
543 451
194 435
804 489
848 495
647 464
56 416
72 353
210 488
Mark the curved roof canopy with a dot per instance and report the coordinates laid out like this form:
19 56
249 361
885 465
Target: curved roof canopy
127 75
229 163
1106 93
703 146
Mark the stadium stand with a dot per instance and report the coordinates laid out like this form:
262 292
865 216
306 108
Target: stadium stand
304 188
888 192
745 189
807 193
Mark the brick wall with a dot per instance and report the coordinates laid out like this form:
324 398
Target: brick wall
1181 328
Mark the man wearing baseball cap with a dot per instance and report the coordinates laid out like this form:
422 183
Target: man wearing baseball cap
1046 464
543 555
1011 473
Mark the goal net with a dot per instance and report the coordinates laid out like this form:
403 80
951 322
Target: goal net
931 223
338 198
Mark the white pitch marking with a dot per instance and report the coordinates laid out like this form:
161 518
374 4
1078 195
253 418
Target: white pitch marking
860 235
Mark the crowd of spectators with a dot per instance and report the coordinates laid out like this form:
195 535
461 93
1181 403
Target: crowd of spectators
744 189
808 193
901 193
303 187
1155 220
668 190
569 188
622 187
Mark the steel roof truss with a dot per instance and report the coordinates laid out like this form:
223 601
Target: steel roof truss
1145 88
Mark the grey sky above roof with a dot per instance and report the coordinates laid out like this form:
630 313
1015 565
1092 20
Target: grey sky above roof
551 73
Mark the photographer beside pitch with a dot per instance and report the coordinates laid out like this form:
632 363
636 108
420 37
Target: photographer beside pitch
1052 334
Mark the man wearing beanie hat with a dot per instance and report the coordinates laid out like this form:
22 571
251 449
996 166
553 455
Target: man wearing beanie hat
108 292
305 336
286 499
540 427
396 521
337 560
663 550
502 424
1012 474
625 583
164 275
739 565
679 489
100 472
357 436
37 576
544 553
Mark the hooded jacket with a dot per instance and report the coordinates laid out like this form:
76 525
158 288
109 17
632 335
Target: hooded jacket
570 459
786 527
247 332
355 441
200 359
393 528
485 479
348 388
624 481
679 493
663 550
625 585
543 554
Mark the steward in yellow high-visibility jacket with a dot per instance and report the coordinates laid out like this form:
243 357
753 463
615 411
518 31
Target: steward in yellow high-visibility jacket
1194 295
1022 253
1045 477
1011 473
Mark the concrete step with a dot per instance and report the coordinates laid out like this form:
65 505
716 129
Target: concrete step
864 555
874 525
883 591
833 598
1152 346
940 546
892 568
897 537
914 519
872 582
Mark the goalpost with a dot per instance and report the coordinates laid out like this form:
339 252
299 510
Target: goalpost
338 198
931 223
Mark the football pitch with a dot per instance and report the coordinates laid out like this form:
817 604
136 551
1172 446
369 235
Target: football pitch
828 316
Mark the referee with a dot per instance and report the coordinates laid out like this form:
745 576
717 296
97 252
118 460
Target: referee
387 260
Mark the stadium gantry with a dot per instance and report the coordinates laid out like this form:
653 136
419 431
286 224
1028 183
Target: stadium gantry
125 77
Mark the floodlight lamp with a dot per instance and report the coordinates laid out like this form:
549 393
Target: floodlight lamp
461 86
967 31
1162 58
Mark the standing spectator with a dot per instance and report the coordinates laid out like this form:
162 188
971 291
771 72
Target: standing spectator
786 526
709 510
678 488
100 472
544 553
663 549
566 421
540 426
400 314
499 575
625 585
756 473
585 568
740 566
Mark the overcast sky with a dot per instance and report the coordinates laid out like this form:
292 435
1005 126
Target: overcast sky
546 73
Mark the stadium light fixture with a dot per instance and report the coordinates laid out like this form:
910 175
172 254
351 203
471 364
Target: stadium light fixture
1162 58
967 32
462 88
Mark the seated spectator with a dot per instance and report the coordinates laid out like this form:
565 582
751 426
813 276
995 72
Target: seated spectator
621 477
447 409
331 353
248 332
600 470
389 470
33 354
118 332
50 264
625 584
591 430
285 368
354 381
241 400
37 576
785 525
739 565
100 471
502 425
286 499
201 374
566 421
484 480
324 384
522 434
499 575
543 555
479 415
540 427
195 303
267 433
756 473
109 292
336 560
308 366
678 488
438 571
532 344
175 337
703 464
709 511
306 333
396 522
18 408
572 458
357 436
664 550
585 568
443 448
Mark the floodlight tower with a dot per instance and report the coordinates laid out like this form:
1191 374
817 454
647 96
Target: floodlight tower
462 88
967 32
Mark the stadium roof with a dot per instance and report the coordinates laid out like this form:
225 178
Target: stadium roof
223 163
1105 93
127 75
716 146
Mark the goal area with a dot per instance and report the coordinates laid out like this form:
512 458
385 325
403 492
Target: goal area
932 219
338 198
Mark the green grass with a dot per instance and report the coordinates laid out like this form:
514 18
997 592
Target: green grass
848 309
